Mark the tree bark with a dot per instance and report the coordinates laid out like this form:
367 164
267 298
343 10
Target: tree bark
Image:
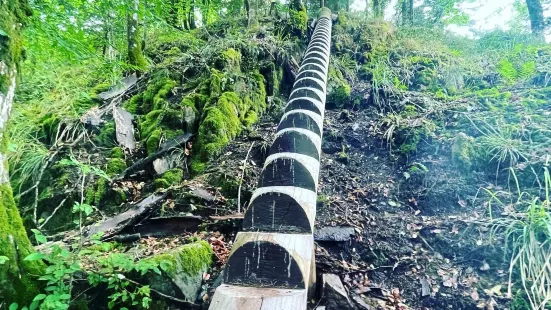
537 20
377 9
404 11
410 4
407 12
136 57
18 278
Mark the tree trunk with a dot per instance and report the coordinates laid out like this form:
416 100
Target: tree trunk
377 10
407 12
248 10
404 11
537 20
191 17
410 2
135 52
18 278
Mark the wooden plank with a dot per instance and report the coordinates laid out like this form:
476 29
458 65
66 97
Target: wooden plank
124 128
120 88
117 223
232 297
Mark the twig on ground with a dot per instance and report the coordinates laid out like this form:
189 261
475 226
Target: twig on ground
55 210
241 179
163 294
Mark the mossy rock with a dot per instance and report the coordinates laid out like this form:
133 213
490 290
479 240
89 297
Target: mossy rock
153 141
220 126
338 90
156 94
115 166
230 60
184 266
134 105
117 152
250 119
463 149
150 122
106 136
171 177
225 115
191 115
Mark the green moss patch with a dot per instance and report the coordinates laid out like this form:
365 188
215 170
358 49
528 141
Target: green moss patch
189 259
171 177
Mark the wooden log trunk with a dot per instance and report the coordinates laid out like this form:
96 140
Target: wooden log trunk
272 265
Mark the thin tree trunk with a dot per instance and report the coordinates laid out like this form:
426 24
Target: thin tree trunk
404 11
377 8
410 11
248 10
18 278
135 53
191 17
537 20
366 8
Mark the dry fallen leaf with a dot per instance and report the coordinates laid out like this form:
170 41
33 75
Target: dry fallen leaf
494 291
485 266
474 294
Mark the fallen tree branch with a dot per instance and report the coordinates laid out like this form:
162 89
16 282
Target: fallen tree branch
55 210
169 145
164 295
241 179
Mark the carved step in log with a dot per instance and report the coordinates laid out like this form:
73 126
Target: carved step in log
272 265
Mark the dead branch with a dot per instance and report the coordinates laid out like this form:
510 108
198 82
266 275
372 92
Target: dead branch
241 179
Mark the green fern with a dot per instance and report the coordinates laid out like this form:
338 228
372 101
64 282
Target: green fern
527 70
507 70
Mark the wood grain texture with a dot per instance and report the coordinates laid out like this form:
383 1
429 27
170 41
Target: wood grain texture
270 259
306 199
232 297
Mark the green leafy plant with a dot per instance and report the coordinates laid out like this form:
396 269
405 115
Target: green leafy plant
526 230
98 267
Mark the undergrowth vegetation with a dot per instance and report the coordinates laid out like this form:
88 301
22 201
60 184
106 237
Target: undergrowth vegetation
482 102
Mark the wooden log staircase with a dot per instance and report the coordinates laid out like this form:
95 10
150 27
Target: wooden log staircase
272 265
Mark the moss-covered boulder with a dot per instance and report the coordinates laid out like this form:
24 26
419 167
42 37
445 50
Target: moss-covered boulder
184 266
229 60
225 116
463 150
338 89
171 177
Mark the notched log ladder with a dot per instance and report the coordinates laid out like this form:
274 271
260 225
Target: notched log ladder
272 265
